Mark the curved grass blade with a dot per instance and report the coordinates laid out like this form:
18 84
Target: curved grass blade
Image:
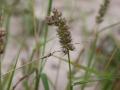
95 80
45 81
13 72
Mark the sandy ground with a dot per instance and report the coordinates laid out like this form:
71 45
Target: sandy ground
74 10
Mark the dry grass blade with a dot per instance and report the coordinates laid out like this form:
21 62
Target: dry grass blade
50 54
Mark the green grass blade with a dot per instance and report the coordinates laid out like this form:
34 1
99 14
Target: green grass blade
109 26
0 73
45 81
13 72
91 70
105 79
90 61
42 64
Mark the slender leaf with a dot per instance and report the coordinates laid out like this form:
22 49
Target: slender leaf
45 81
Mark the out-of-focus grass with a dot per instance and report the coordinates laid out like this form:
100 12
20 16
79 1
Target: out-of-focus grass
13 72
42 63
103 65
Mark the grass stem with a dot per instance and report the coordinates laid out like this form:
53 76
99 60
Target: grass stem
0 73
70 72
43 49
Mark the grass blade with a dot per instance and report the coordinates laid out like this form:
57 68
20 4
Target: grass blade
45 81
13 72
42 64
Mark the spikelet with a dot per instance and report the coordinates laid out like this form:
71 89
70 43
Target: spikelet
62 31
2 34
102 11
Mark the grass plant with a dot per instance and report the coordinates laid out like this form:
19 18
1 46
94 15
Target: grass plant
101 68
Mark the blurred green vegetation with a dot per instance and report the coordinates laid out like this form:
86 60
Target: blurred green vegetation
103 54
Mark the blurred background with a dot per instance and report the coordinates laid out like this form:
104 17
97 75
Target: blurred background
27 41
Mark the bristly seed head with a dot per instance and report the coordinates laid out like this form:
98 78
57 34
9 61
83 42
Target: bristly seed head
102 11
63 32
2 34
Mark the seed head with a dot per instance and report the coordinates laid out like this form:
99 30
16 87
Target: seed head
102 11
63 30
2 34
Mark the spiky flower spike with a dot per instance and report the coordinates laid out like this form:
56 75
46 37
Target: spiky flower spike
102 11
2 34
63 32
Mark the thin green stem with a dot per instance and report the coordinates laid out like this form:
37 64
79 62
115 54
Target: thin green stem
46 26
108 27
70 72
90 60
57 75
42 64
0 73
